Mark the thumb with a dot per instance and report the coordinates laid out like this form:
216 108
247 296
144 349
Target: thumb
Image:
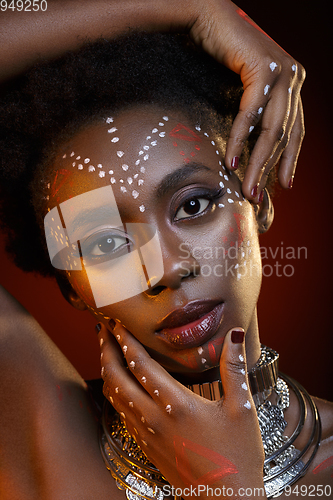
233 370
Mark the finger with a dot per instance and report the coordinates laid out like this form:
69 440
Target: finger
273 139
233 370
251 109
290 155
120 387
152 377
292 142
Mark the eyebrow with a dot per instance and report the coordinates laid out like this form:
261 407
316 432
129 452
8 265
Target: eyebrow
89 217
171 181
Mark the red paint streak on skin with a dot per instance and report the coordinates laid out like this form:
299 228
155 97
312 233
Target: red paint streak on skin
323 465
242 226
59 393
242 14
191 138
188 360
211 350
246 18
225 466
55 188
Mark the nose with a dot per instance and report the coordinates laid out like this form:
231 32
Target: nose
177 268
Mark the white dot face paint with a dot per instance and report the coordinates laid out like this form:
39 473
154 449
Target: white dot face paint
272 66
132 364
266 89
143 380
241 358
244 386
133 184
168 408
248 405
156 392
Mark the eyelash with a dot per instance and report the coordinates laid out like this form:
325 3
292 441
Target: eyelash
98 239
210 196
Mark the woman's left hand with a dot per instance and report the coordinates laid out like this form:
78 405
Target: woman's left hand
193 441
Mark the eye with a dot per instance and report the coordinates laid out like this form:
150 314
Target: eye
107 244
104 244
192 207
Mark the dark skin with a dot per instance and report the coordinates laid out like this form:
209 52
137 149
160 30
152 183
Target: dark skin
271 78
187 410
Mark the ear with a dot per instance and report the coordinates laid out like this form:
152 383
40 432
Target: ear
264 213
69 293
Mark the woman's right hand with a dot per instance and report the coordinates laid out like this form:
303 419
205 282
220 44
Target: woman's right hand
193 441
272 81
271 78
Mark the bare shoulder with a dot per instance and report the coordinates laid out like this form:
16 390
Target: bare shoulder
48 424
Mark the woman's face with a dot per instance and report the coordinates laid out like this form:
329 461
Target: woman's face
168 245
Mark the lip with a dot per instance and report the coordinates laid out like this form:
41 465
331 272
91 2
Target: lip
191 325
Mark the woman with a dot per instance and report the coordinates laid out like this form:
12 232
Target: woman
150 154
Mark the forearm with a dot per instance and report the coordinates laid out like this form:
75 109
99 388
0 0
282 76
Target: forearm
66 25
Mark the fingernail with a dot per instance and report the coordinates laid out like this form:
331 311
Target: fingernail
261 196
235 162
291 182
237 336
98 328
254 191
112 324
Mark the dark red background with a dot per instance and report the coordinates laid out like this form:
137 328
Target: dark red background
295 312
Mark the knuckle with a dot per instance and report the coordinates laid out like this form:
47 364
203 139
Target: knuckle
235 366
275 66
301 73
251 116
238 140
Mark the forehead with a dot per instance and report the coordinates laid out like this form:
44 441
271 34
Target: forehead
132 152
